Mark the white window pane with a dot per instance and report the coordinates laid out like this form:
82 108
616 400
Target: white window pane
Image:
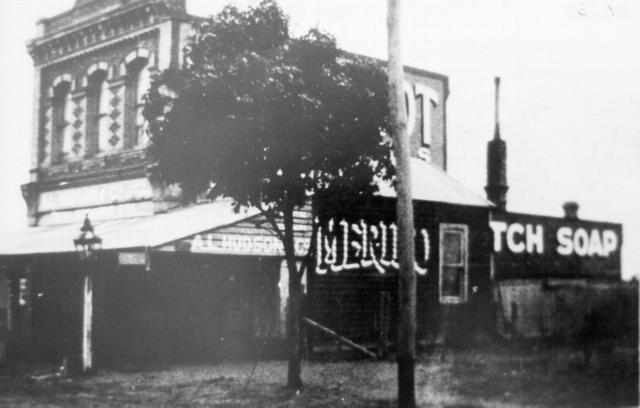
67 141
103 105
104 134
141 127
144 83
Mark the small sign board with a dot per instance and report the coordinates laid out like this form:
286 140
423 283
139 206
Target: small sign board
132 258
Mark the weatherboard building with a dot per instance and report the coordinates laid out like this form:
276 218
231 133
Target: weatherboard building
179 281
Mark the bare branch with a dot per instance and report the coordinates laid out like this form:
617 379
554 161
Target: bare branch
268 214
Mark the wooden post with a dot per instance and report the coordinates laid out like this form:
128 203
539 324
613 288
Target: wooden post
294 366
404 213
87 323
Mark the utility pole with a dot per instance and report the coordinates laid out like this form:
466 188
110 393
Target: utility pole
406 356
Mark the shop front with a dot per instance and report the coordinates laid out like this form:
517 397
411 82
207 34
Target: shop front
353 286
152 295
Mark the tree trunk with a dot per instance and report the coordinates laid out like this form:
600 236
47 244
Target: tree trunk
404 212
294 380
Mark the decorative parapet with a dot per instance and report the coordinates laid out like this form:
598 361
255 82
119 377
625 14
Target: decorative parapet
118 24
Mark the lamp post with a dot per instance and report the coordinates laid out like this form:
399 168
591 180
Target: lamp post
86 244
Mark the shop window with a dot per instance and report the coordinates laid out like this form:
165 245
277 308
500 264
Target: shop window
454 269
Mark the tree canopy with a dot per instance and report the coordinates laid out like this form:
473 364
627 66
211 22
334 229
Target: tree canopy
271 121
268 119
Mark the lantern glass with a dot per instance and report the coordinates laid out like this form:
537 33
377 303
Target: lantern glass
87 241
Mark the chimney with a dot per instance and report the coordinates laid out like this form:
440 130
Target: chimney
571 210
497 161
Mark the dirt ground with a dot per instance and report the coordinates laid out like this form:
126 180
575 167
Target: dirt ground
445 378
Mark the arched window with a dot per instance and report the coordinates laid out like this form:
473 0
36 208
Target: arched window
98 100
138 83
142 86
104 133
62 140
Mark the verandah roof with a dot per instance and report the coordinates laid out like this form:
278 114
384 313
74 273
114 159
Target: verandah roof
137 232
429 184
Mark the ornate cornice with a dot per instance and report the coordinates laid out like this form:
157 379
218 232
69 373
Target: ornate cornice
120 25
31 194
111 167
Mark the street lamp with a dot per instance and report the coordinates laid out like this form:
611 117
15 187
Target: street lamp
86 244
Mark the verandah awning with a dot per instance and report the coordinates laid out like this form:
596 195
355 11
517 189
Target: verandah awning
154 231
137 232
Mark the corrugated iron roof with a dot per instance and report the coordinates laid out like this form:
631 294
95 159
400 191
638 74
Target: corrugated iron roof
137 232
433 184
429 184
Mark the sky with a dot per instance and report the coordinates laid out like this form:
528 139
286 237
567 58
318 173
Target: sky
570 92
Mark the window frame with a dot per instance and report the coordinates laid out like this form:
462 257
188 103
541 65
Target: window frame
61 105
135 64
97 89
140 128
464 296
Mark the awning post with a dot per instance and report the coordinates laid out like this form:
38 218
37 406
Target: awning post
87 323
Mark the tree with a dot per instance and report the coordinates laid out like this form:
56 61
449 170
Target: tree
272 122
404 212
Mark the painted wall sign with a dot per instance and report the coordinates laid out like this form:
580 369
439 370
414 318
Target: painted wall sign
582 241
250 237
419 114
95 195
241 244
345 246
535 246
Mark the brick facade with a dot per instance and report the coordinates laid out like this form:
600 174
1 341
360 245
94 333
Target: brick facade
91 134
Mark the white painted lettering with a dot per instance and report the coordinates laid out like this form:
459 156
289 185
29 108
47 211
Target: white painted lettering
368 249
410 98
498 228
595 244
610 243
535 239
581 242
515 247
564 239
429 100
196 244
